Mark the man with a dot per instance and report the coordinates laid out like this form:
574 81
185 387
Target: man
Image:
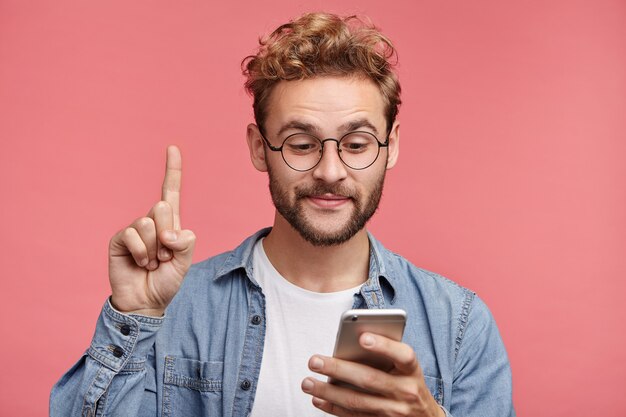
250 332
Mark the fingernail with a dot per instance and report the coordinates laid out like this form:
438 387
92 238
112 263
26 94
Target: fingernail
368 340
153 264
143 262
164 253
170 236
316 363
307 385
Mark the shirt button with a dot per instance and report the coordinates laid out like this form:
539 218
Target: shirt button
256 319
118 352
245 385
125 329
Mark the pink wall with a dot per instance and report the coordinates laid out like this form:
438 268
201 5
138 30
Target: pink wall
511 177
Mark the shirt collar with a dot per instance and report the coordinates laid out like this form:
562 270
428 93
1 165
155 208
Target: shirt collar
241 256
381 275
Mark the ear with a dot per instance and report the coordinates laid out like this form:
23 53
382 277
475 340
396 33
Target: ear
256 146
394 145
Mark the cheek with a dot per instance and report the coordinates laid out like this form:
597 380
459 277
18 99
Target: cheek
367 183
283 176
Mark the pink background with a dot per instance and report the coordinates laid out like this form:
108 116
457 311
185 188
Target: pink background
511 178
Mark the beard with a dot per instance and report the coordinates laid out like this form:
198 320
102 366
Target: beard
295 214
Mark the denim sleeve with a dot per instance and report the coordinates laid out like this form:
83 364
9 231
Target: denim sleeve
482 385
111 378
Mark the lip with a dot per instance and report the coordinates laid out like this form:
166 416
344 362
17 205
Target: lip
328 201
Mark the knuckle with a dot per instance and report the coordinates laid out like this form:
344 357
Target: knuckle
408 357
128 233
409 396
369 380
162 206
400 410
354 402
145 224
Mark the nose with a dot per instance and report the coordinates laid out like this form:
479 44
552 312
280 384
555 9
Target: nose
330 168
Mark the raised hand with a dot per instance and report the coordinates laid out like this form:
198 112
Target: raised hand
149 259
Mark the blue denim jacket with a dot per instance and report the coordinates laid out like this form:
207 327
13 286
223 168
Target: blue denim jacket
204 356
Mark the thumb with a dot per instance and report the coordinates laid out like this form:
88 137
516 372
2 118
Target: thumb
181 242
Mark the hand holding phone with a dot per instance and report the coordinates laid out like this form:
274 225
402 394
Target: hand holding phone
369 390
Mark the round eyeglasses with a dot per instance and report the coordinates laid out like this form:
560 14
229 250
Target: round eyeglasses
302 151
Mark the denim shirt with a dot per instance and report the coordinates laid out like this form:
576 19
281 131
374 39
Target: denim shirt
203 357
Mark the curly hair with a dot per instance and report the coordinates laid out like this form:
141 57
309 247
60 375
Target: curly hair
320 44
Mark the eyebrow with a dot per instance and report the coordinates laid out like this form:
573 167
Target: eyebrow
310 128
358 124
297 125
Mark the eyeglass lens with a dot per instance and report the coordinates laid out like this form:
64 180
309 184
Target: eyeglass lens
358 150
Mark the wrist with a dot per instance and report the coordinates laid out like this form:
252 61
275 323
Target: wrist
147 312
150 312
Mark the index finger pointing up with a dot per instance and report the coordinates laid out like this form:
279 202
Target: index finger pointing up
171 183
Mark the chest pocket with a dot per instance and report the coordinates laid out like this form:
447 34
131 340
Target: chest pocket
192 387
435 386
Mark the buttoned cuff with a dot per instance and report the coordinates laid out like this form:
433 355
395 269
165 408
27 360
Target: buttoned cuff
123 341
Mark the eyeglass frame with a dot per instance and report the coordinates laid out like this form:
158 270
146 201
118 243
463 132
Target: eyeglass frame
322 143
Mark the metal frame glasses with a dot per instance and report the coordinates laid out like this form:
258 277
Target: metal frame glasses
301 149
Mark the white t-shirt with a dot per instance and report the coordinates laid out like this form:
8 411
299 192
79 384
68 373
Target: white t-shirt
300 323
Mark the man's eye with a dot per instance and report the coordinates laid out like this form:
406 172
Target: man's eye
358 142
355 147
301 144
302 147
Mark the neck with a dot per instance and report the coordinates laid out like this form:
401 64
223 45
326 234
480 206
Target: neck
317 268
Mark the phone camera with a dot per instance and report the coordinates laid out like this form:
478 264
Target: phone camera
355 318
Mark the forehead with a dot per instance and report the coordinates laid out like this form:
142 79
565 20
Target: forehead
325 102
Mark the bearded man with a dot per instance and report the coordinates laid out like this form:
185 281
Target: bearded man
251 332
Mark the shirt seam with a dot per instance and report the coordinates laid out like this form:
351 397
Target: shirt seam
466 308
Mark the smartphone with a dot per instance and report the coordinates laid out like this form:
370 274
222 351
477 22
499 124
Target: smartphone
385 322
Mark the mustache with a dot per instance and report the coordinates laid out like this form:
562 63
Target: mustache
321 188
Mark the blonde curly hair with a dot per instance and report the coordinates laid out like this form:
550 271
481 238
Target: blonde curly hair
321 44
